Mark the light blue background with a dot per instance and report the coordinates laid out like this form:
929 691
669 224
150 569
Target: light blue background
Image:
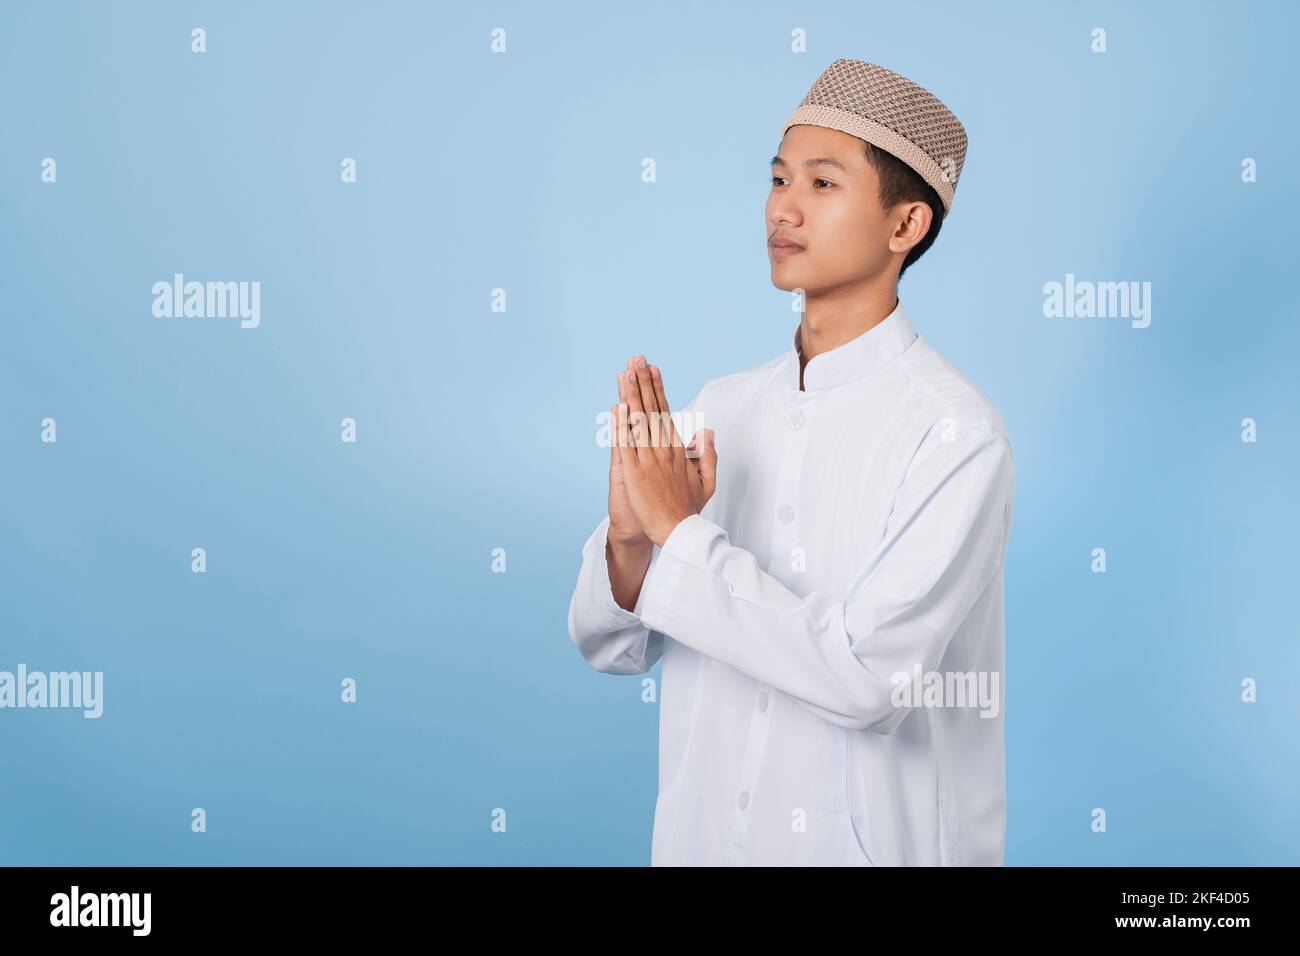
477 429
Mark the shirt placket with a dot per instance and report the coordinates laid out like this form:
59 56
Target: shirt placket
793 439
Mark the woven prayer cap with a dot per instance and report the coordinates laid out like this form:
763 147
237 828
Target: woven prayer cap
889 111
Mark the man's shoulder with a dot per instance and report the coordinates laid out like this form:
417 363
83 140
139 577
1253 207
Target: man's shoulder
944 393
740 384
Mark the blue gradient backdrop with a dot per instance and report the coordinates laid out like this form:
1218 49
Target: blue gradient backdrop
476 429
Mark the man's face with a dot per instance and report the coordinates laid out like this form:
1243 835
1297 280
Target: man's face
825 197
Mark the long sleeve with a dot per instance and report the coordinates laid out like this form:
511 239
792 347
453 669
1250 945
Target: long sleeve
611 638
943 543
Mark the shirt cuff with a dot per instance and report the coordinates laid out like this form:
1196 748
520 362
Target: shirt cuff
616 615
684 547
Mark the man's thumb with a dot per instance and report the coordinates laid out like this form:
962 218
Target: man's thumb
708 463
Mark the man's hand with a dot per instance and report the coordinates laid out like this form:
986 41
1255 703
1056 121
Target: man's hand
624 527
663 486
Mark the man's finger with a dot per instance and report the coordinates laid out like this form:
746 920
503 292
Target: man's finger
637 420
649 401
613 423
621 387
707 462
613 438
665 414
626 449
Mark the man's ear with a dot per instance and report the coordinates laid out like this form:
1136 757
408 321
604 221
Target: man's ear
913 224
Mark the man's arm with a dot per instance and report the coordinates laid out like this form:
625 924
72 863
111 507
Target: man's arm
604 612
610 638
627 565
942 546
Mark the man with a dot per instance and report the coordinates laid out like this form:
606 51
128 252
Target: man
823 578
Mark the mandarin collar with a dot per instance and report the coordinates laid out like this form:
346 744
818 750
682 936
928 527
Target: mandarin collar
856 358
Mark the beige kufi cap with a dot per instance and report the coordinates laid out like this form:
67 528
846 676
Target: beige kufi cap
892 112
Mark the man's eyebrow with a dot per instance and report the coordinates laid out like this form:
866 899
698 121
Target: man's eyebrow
819 161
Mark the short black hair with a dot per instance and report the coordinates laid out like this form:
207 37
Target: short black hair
899 182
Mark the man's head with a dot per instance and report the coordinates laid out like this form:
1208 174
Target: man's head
867 168
856 210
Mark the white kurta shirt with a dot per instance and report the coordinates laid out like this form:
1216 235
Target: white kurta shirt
849 562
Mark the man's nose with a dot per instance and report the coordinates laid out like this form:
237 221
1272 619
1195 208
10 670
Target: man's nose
783 212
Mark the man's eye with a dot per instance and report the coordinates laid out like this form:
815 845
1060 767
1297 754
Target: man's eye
778 180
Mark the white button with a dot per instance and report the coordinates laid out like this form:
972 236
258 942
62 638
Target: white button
785 513
762 700
744 799
796 419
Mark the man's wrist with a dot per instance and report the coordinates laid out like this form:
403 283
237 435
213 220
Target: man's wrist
627 564
664 531
629 544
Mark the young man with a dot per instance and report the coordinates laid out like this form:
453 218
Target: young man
824 580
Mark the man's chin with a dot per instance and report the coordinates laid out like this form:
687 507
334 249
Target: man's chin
786 279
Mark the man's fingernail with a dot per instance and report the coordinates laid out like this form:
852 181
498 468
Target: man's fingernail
640 362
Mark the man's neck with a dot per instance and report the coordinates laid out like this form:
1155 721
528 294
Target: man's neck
830 321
